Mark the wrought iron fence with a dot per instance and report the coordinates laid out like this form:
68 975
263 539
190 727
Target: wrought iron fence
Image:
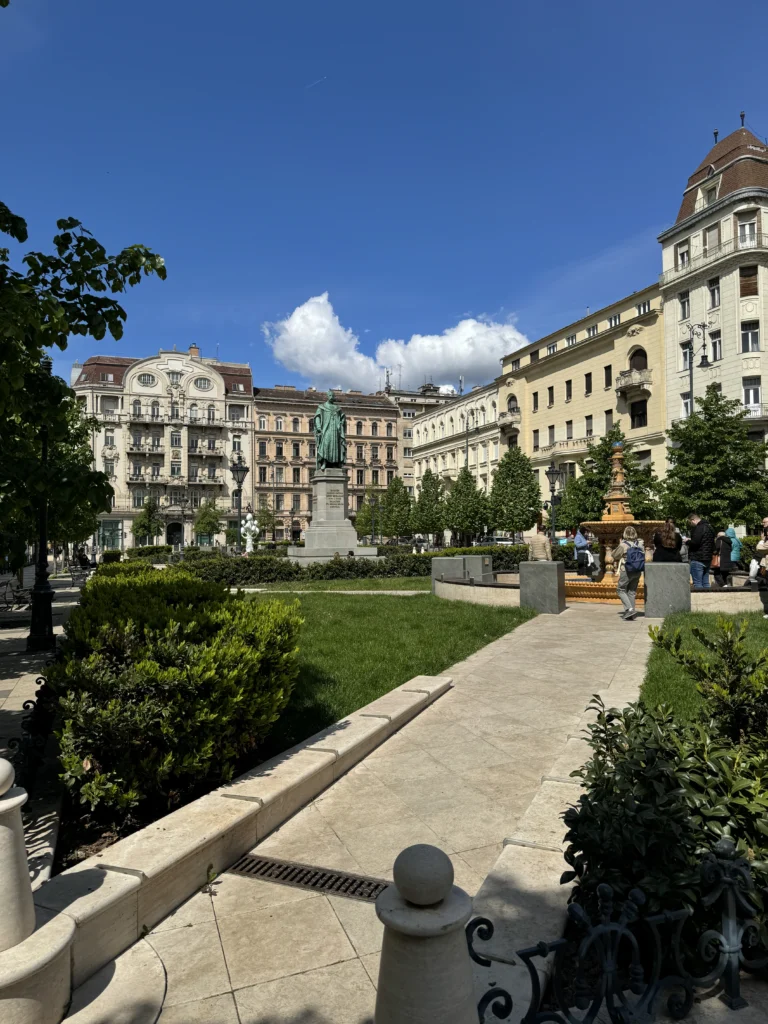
634 966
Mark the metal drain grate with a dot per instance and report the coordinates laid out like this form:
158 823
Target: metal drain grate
304 876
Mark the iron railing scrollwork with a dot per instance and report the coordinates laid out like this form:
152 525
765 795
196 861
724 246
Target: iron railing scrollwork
631 965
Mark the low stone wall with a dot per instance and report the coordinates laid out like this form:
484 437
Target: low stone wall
731 602
503 596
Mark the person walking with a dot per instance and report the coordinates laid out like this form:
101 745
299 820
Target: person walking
701 547
539 549
630 562
667 543
729 550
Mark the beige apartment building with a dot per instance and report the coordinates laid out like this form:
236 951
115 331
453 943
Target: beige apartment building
465 432
170 426
284 450
567 389
412 404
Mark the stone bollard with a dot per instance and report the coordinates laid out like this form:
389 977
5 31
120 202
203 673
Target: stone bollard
542 586
17 911
425 974
667 589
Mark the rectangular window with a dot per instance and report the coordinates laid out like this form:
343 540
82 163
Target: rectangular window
643 307
747 230
211 444
359 453
515 365
685 404
615 320
375 476
750 336
262 474
607 375
262 501
535 356
312 451
587 383
407 433
390 475
360 478
138 499
407 453
175 469
279 475
568 390
109 467
390 453
568 429
136 440
551 433
550 396
296 502
296 475
262 449
588 426
374 453
107 378
156 469
570 341
747 281
638 412
109 437
176 439
359 501
211 472
296 450
193 472
136 469
716 345
752 389
682 254
685 355
552 348
711 239
710 195
279 502
194 442
278 449
714 292
237 443
685 305
535 400
592 331
535 440
608 420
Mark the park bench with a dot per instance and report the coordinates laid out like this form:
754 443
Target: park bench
14 595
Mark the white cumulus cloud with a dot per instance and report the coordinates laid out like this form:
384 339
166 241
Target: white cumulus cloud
313 343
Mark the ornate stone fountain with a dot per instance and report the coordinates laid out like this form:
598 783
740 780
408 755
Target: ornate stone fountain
609 530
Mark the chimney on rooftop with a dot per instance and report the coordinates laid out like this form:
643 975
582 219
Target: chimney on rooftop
194 351
716 133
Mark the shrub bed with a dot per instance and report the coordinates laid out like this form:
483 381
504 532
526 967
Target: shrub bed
165 681
264 569
111 556
154 552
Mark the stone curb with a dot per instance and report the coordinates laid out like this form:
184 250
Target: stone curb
110 900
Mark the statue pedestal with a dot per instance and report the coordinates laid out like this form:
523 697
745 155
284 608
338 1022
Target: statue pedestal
330 533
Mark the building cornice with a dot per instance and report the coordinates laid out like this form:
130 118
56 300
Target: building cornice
684 227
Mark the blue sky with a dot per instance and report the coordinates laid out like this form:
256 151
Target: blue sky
427 164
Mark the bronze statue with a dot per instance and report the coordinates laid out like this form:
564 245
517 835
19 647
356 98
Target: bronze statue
330 434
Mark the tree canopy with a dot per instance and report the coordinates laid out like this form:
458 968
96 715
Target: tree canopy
41 305
582 499
396 509
428 514
515 499
466 507
208 520
149 522
714 468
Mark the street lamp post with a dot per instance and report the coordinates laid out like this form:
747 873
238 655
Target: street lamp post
373 502
41 636
239 471
554 476
696 331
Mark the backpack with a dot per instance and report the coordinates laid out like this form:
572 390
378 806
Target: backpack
634 560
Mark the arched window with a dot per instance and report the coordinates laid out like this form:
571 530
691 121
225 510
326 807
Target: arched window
279 423
155 409
193 414
432 431
512 405
389 430
262 422
374 430
296 425
482 414
638 360
451 426
493 410
211 413
136 407
359 427
418 437
442 429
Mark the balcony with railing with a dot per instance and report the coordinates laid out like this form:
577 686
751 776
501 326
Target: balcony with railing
195 481
749 243
216 452
568 444
511 419
634 383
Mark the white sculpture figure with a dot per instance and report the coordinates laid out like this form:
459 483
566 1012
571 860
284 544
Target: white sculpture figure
250 531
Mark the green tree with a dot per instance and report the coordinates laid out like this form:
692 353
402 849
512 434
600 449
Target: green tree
466 507
714 468
149 522
41 305
582 499
396 509
515 499
428 515
364 521
208 521
231 536
265 520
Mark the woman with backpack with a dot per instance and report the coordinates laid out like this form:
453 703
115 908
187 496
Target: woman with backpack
629 558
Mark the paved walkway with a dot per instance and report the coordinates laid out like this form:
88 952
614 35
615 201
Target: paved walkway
459 776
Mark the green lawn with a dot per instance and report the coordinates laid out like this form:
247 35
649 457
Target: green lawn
353 649
376 583
666 682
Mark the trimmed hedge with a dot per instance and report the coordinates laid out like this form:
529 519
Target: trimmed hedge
165 681
111 556
265 569
154 552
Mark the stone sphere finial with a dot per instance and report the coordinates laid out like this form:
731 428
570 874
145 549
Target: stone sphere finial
423 874
7 776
